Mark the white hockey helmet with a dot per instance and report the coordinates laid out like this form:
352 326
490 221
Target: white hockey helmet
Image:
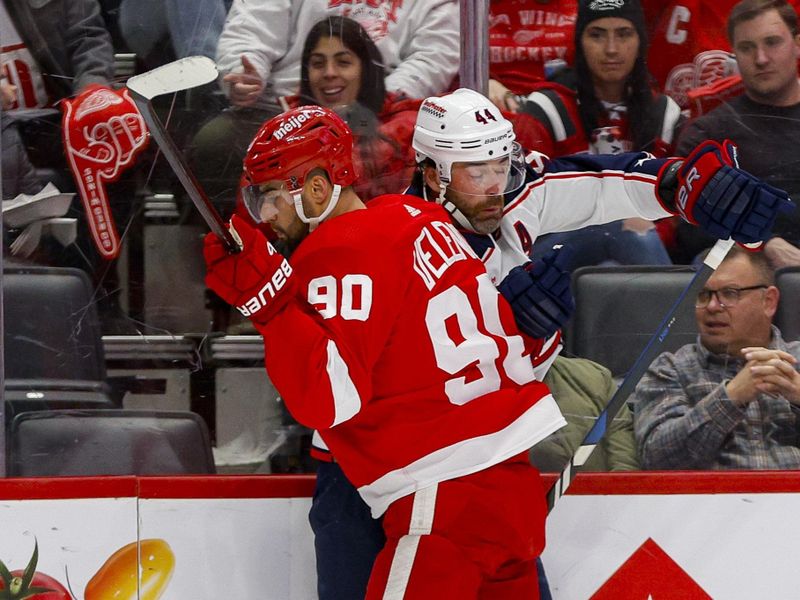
465 127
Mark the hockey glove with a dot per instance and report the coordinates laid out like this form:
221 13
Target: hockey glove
715 194
539 293
256 281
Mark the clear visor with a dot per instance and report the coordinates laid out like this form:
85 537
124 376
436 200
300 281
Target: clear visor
491 177
261 201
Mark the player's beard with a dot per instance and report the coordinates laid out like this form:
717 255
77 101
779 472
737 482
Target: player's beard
288 241
485 217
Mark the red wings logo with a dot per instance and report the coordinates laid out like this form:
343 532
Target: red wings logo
708 66
103 132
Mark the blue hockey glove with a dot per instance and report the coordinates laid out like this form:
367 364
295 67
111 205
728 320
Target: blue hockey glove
715 194
539 293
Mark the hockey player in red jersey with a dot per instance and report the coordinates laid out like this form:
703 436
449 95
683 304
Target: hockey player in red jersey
372 298
340 373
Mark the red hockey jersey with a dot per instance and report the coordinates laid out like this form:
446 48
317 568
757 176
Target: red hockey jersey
689 46
555 109
409 362
524 35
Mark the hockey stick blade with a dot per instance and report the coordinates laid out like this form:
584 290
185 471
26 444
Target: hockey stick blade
177 76
182 74
651 350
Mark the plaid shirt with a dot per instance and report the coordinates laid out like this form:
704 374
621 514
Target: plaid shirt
683 418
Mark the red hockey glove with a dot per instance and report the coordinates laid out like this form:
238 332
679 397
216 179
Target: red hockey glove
715 194
257 280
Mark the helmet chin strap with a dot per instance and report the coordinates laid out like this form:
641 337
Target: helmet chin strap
314 221
451 208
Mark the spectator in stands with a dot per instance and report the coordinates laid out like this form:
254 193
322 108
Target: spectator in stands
18 175
612 110
582 389
527 41
688 48
260 51
732 399
52 50
342 70
764 121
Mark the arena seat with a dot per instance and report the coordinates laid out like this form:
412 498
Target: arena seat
52 341
50 443
788 316
618 308
53 350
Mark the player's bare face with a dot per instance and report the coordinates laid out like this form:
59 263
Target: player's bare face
727 328
334 73
767 53
477 191
610 46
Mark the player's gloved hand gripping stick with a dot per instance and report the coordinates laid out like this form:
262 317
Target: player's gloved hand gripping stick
711 191
256 281
176 76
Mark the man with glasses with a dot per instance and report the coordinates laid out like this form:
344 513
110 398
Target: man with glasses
732 399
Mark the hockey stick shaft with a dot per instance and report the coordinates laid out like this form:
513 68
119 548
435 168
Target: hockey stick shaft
651 350
142 91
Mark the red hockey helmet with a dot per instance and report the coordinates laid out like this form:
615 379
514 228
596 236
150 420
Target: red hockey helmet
293 143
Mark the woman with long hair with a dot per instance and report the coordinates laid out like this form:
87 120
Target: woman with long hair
606 105
342 69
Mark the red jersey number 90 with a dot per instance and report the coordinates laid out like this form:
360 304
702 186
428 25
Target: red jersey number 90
350 298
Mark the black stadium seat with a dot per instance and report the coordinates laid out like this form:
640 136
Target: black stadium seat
52 341
618 308
50 443
788 316
53 347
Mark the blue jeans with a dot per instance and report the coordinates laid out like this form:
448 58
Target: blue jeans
598 244
193 26
347 539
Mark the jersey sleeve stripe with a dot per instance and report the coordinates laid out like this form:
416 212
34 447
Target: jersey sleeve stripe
346 401
577 176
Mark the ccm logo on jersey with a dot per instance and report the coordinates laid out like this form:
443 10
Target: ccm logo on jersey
267 293
686 188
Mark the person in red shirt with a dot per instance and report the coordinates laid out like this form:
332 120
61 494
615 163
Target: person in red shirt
611 110
373 295
527 38
688 44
